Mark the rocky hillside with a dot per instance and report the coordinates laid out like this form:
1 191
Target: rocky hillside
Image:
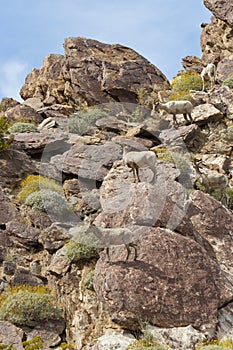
90 259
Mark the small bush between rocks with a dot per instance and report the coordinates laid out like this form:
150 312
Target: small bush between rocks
28 306
22 127
182 84
82 122
216 345
146 345
228 82
76 251
5 142
48 201
6 347
34 183
33 344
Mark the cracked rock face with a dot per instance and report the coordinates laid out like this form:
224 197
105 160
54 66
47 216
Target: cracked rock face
170 282
91 72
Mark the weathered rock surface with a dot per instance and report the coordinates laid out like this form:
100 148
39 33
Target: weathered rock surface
14 167
172 279
88 161
10 334
213 229
22 112
92 72
222 9
47 141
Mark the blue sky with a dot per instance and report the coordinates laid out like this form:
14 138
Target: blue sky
163 31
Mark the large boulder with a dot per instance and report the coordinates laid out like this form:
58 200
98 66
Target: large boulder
172 279
91 72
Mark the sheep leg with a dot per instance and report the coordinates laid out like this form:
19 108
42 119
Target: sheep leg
190 117
134 246
128 252
136 168
107 253
175 120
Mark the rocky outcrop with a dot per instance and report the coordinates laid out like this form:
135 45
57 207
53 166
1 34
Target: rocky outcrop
222 9
91 72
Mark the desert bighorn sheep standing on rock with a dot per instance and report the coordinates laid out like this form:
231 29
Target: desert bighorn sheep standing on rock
177 107
208 74
140 159
108 237
211 180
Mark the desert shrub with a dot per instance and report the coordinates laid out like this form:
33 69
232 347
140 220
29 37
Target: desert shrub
88 280
22 127
28 306
6 347
76 251
217 195
228 82
65 346
5 142
83 121
34 183
216 345
33 344
48 201
146 345
182 84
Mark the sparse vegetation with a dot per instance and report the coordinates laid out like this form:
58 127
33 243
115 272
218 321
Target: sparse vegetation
33 344
22 127
215 345
27 306
76 251
6 347
34 183
5 142
48 201
66 346
182 84
82 122
146 345
228 82
88 280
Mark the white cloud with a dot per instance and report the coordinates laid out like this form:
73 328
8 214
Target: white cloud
12 78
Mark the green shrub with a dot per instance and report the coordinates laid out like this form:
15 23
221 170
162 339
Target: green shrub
33 344
22 127
34 183
6 347
65 346
182 84
146 345
217 195
228 82
5 142
83 121
76 251
27 307
88 280
48 201
216 345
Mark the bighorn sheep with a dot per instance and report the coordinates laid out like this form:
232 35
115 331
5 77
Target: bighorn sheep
177 107
108 237
211 180
208 74
140 159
